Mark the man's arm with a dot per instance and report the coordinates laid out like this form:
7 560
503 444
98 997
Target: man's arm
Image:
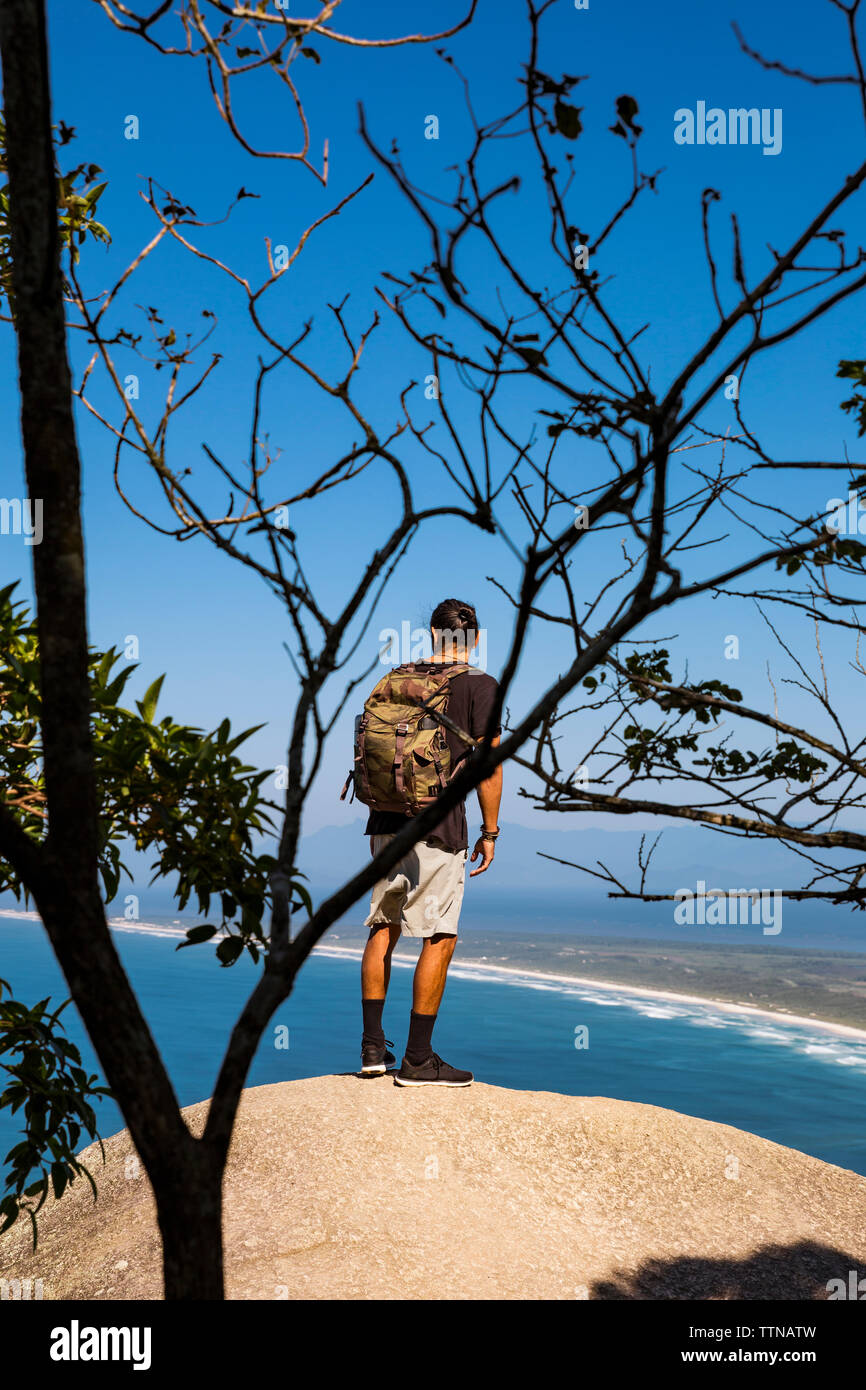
489 797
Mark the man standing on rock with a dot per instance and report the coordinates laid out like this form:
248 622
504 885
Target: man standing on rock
407 749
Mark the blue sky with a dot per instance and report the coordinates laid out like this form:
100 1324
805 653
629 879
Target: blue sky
198 616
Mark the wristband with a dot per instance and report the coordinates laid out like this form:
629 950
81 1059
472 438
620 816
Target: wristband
490 834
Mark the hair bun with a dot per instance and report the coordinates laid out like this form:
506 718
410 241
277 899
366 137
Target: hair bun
452 614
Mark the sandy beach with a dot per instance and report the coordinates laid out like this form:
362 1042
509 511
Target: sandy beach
719 1005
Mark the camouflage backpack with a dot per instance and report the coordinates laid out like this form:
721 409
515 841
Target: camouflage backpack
402 760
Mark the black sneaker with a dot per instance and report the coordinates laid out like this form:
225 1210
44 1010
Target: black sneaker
433 1072
375 1058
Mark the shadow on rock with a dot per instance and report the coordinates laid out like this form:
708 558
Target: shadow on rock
796 1271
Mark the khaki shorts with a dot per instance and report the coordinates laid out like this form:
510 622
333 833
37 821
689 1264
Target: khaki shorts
422 893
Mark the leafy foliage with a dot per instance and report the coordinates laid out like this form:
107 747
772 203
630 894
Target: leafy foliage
646 751
162 786
788 760
626 110
855 405
654 666
847 555
77 196
565 117
46 1081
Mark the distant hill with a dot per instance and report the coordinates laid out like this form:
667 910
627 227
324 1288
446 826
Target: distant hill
684 854
523 891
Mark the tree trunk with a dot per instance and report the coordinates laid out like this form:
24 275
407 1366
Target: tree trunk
62 873
189 1209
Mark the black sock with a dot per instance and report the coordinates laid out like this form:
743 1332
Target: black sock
373 1032
420 1044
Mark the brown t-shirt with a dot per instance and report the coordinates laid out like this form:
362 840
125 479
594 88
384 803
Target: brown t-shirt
469 703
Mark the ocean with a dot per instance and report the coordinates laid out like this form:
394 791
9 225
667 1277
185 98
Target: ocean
801 1085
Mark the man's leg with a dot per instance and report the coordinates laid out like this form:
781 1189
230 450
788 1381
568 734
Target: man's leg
428 987
375 976
432 906
431 972
376 960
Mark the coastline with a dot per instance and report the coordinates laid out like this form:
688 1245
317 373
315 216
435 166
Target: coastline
670 996
510 974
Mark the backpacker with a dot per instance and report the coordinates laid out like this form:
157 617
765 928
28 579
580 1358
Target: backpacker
402 760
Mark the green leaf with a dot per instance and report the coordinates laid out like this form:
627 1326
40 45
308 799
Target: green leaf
93 196
197 934
147 706
533 357
59 1179
229 949
304 897
626 110
567 119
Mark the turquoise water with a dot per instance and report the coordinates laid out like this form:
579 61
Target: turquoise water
800 1086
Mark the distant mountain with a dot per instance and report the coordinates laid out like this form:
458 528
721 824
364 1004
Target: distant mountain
525 892
684 855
